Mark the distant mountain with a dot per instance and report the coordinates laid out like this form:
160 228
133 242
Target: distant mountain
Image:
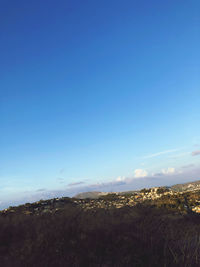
92 195
186 186
97 194
177 188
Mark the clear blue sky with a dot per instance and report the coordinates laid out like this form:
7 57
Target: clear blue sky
93 90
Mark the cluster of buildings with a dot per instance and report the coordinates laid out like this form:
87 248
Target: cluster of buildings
120 200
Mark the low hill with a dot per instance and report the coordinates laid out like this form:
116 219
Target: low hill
177 188
92 195
186 186
152 227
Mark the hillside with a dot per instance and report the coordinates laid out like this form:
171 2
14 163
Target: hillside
186 186
92 195
151 227
177 188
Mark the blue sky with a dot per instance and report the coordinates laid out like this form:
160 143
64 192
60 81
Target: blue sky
97 91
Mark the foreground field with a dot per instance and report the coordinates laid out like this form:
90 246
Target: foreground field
163 232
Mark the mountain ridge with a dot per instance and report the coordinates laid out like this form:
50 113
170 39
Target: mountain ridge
177 188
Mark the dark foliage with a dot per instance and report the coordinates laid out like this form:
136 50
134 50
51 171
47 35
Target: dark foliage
143 235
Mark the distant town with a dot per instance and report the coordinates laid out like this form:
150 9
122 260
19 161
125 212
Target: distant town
184 198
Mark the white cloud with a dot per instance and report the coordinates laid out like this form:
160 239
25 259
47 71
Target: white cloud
168 171
196 153
140 173
160 153
77 183
188 166
179 155
120 178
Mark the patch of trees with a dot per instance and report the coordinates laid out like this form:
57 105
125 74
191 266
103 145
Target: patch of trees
162 190
110 197
145 190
